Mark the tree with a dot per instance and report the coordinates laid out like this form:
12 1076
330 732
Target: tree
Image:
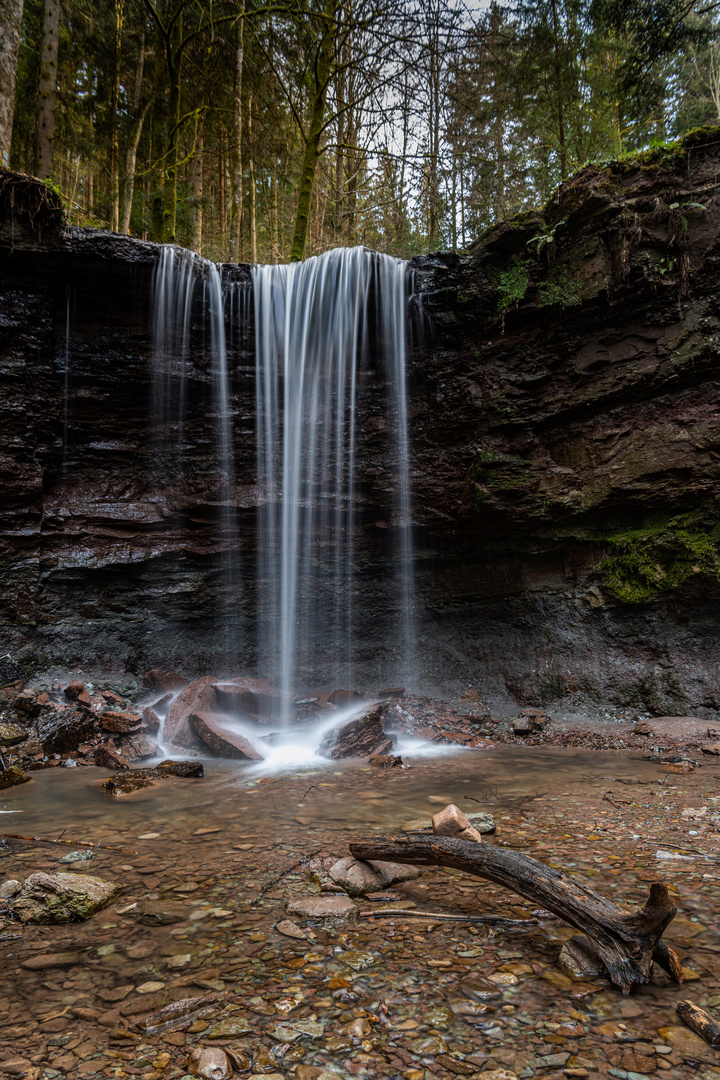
10 27
47 88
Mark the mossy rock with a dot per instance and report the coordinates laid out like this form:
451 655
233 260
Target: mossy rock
662 559
62 898
12 777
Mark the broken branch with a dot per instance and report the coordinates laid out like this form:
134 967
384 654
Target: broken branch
624 941
68 843
700 1022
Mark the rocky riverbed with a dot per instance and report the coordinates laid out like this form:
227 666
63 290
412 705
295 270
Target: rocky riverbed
212 871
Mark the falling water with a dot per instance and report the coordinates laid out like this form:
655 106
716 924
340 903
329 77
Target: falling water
313 327
179 276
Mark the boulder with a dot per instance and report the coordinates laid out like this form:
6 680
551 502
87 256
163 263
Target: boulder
109 759
151 718
322 907
12 777
158 679
124 783
522 726
27 701
393 691
221 739
63 730
198 696
249 697
120 722
61 898
138 747
75 691
386 761
358 877
12 735
361 737
452 822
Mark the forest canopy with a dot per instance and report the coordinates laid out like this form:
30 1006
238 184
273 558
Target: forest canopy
268 130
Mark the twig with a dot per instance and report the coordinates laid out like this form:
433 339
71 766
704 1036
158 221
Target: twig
69 843
271 884
491 919
608 797
308 791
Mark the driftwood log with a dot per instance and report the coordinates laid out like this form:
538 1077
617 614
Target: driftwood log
626 941
700 1022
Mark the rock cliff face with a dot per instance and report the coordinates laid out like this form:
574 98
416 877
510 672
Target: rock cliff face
565 431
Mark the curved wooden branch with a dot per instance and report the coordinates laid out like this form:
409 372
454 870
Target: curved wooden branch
625 941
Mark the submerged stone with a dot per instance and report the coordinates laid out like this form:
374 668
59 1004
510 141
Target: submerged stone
12 777
323 907
62 898
126 782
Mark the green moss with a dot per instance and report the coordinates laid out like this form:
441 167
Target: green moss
560 291
648 563
513 284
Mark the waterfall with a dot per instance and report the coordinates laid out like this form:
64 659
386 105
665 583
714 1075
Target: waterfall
315 326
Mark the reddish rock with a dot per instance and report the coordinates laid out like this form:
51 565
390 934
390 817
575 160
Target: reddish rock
198 696
111 698
394 691
248 697
452 822
62 731
386 761
137 747
42 700
361 737
222 740
75 691
121 722
109 759
157 679
150 719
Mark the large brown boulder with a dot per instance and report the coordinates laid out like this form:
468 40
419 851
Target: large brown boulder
360 737
61 731
157 679
221 739
248 697
198 696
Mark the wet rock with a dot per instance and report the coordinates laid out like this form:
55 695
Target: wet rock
151 719
139 747
484 823
157 679
75 691
579 960
157 912
221 739
522 726
209 1063
45 961
263 1061
198 696
109 759
62 898
452 822
386 761
361 737
120 722
358 877
124 783
429 1046
9 888
15 1066
26 701
687 1043
177 1014
322 907
394 692
244 696
291 930
231 1028
12 777
77 856
63 730
357 1029
538 718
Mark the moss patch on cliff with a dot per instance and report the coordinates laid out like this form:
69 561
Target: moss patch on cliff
647 563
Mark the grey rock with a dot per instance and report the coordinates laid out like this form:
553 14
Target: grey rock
62 898
322 907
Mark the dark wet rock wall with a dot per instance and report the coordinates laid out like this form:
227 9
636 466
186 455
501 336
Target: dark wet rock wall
565 433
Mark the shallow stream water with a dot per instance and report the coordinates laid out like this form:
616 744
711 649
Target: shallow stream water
209 847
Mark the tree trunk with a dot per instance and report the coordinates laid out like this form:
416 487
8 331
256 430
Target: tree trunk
251 179
323 69
624 940
159 122
130 160
47 87
171 159
197 190
114 143
10 26
237 159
